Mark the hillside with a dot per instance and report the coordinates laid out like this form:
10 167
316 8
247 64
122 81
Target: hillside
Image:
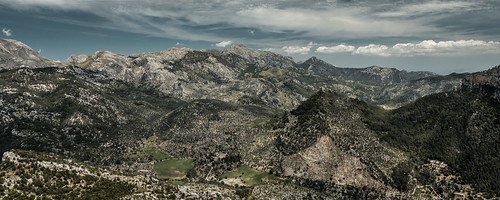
277 80
241 124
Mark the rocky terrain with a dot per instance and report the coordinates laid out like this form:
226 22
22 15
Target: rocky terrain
14 54
487 81
277 80
241 124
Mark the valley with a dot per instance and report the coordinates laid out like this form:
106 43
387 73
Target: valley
241 123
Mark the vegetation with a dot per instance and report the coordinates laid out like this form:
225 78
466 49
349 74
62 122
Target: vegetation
31 179
149 150
261 122
249 176
460 128
173 169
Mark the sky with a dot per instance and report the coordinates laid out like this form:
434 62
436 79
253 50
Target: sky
424 35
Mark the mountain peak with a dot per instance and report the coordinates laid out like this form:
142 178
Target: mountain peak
20 54
238 46
313 59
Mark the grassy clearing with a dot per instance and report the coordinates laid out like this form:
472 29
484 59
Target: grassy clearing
273 73
248 175
149 148
173 169
156 153
258 122
153 152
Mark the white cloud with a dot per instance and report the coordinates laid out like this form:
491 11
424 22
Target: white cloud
430 47
336 49
223 43
7 32
296 49
373 49
339 22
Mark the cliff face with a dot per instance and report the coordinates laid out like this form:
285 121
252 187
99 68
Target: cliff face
488 81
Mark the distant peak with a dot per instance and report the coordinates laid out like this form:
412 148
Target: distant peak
244 51
314 59
238 46
375 67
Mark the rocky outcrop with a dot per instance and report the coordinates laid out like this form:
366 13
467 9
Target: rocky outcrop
488 81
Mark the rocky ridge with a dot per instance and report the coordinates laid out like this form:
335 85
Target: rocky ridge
233 73
488 81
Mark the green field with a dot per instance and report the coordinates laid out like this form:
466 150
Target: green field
149 148
258 122
248 175
156 153
173 169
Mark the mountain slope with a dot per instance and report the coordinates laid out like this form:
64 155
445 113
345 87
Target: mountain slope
372 75
75 112
14 54
460 128
382 86
230 74
243 123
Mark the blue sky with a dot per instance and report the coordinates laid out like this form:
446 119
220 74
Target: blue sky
431 35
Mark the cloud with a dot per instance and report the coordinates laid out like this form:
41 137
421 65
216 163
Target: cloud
325 23
296 49
430 47
336 49
278 22
373 49
426 47
423 7
7 32
209 21
223 43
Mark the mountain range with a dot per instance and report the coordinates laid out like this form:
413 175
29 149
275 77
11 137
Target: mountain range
240 123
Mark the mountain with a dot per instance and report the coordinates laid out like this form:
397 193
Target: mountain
382 86
14 54
240 124
231 74
75 112
371 75
487 81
